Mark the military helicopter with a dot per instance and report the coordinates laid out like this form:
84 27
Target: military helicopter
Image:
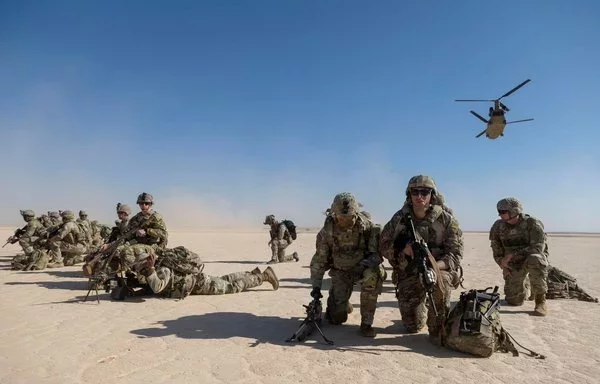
497 121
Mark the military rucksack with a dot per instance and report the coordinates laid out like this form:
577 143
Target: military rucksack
291 227
473 326
186 267
180 260
561 285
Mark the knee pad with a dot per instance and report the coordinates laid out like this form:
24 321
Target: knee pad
337 318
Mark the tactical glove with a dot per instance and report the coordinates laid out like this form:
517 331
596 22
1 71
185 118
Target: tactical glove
316 293
371 261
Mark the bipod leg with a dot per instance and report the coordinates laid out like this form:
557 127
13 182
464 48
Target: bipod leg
323 335
97 295
295 335
95 287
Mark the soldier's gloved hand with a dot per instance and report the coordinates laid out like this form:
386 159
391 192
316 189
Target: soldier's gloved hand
371 261
316 293
141 233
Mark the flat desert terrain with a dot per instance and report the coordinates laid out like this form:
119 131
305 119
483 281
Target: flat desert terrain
49 335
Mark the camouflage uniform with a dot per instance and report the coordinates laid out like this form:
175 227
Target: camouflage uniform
120 228
86 227
34 230
153 224
165 282
93 262
525 242
440 230
95 232
44 220
55 219
347 246
30 238
66 246
280 240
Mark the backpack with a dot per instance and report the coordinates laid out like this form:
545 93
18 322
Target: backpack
180 260
473 325
186 267
561 285
291 228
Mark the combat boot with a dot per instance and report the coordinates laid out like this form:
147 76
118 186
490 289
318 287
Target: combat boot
270 276
540 305
256 271
367 330
295 256
55 264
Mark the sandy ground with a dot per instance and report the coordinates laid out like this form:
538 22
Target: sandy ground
49 335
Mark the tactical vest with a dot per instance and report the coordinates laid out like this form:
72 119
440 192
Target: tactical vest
516 237
348 247
430 228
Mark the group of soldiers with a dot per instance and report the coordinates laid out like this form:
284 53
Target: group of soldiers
352 248
349 245
56 239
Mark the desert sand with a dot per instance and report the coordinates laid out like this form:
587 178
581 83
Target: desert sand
49 335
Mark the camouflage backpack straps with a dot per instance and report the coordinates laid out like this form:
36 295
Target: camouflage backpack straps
561 285
186 267
181 260
473 326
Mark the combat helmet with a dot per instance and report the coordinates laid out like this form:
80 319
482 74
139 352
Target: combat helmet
69 215
82 214
269 219
344 204
123 208
510 204
27 213
145 198
54 214
422 181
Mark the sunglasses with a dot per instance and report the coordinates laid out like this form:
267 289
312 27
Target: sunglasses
422 192
145 203
503 211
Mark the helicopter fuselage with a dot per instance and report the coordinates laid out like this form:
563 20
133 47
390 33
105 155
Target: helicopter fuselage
495 127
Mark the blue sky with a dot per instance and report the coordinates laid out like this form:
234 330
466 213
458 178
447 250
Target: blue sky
229 110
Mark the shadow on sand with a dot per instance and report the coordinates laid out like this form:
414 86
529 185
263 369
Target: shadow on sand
275 330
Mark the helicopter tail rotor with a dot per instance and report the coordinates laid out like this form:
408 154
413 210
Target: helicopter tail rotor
518 121
479 117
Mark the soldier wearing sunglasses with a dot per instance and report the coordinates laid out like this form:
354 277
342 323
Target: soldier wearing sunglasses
440 230
520 247
146 227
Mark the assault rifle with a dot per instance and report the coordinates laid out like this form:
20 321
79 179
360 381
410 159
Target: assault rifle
14 238
314 311
117 285
421 262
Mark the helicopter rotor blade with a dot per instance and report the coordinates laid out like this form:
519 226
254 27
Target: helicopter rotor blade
476 100
503 106
479 117
518 121
514 89
482 132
